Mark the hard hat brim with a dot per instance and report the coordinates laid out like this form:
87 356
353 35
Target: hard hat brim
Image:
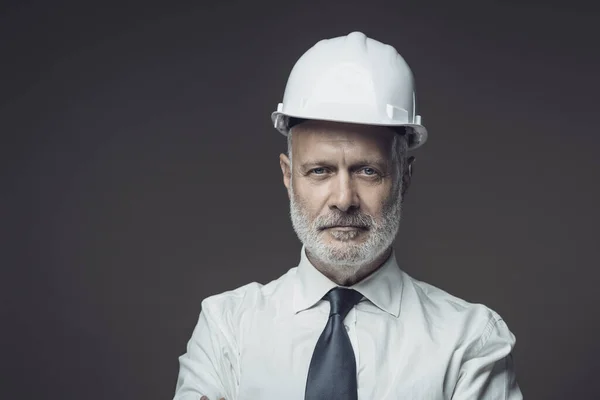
417 134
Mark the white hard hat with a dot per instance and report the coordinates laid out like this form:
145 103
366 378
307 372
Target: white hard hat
352 79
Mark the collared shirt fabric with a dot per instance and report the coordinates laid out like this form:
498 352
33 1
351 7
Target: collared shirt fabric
411 340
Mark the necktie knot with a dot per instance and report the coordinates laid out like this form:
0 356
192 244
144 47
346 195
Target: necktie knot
342 300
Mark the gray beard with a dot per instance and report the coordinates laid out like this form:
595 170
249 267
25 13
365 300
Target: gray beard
342 253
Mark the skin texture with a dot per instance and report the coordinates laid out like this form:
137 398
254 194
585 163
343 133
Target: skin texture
345 174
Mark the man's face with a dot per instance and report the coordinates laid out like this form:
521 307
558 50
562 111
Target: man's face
345 191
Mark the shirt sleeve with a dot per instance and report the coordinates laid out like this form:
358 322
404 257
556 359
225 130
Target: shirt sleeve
206 368
487 371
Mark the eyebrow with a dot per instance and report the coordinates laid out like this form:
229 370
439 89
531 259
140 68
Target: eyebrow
380 162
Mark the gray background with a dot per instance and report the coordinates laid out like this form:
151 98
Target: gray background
140 175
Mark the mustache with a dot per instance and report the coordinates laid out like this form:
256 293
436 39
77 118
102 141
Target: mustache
357 220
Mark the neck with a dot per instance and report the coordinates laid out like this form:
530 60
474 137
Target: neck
348 276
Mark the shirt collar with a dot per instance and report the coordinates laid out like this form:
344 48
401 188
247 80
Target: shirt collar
383 287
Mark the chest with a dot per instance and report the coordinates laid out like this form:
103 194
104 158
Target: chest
394 360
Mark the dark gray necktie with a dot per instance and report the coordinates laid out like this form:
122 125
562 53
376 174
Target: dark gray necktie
332 371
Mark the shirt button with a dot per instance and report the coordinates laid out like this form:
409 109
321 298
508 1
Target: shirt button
347 328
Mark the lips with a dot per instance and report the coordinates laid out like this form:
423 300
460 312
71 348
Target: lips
345 226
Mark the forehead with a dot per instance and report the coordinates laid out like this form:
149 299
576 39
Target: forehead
320 138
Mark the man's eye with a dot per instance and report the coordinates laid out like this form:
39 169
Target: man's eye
318 171
369 171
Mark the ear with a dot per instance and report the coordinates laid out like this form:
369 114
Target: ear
407 175
284 163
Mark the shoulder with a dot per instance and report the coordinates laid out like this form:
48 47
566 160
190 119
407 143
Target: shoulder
450 315
437 299
233 303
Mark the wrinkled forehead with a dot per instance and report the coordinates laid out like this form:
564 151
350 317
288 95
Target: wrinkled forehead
320 138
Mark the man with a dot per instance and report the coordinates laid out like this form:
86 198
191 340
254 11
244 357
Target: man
347 322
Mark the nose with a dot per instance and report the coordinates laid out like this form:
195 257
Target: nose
344 196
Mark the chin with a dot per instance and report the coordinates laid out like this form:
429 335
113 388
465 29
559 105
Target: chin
345 253
344 243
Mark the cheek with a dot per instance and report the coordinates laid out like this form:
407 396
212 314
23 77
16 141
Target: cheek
375 201
312 198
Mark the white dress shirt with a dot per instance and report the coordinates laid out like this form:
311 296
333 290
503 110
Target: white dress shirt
411 341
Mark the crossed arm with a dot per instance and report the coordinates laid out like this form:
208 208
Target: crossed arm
207 369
